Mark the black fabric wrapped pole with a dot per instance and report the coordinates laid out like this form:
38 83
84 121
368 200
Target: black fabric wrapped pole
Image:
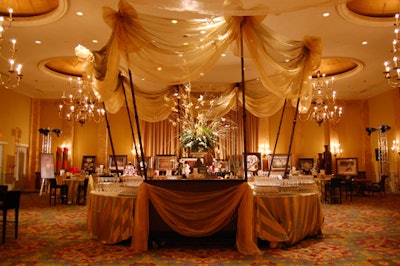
137 125
111 140
130 121
291 137
277 138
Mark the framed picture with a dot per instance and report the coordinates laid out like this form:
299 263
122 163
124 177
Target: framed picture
223 165
305 164
254 161
121 162
189 161
165 162
347 166
279 162
46 165
139 162
88 163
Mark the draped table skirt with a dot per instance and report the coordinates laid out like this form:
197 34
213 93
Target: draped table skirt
288 218
110 216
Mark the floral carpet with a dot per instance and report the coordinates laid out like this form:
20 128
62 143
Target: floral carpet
364 231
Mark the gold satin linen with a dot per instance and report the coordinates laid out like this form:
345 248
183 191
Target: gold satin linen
73 184
288 218
110 217
197 214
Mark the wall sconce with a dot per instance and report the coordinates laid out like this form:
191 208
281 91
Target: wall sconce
396 146
336 149
264 150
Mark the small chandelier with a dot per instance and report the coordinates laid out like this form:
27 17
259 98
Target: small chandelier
392 69
82 104
323 106
14 76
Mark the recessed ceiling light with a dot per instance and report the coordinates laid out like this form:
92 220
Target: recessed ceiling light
159 68
79 13
95 41
364 43
223 54
326 14
174 21
38 42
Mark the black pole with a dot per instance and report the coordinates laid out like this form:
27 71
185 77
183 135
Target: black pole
243 100
137 125
130 121
277 138
291 137
111 140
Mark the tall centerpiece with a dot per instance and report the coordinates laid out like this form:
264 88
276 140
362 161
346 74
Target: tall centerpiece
199 129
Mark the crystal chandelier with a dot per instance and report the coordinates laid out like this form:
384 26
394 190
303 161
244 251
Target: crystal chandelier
12 79
82 104
323 106
392 70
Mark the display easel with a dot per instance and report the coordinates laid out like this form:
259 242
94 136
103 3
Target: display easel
46 169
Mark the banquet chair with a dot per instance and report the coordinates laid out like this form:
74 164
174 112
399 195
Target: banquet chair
3 188
10 200
61 188
333 188
378 187
82 192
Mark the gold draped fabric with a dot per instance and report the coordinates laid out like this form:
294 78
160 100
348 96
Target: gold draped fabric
110 217
288 218
161 55
197 214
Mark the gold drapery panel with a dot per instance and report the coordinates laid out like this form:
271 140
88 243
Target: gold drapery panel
276 214
197 214
164 55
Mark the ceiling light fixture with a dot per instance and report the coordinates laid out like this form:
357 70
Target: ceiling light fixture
392 69
323 106
14 76
83 102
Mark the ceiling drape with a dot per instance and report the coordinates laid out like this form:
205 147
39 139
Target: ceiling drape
161 55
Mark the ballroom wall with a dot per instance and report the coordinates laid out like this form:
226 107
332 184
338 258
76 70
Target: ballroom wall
18 111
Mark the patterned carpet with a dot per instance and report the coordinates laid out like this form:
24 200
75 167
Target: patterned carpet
365 231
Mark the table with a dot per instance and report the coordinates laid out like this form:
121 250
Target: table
288 218
73 184
110 216
360 185
281 218
321 181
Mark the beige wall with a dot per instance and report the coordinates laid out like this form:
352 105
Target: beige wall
17 111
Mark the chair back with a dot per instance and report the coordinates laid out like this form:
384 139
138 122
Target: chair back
336 181
382 182
3 188
11 199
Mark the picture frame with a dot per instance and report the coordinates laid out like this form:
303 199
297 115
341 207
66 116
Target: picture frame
191 161
165 162
46 165
279 162
254 161
347 166
223 165
88 163
305 164
139 162
121 162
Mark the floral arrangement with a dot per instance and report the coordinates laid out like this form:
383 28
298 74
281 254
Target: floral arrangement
199 136
199 129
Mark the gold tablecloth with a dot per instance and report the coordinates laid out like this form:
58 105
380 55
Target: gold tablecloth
110 216
73 184
197 214
288 218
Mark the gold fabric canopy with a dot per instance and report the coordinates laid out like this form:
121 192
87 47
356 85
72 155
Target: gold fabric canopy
166 54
